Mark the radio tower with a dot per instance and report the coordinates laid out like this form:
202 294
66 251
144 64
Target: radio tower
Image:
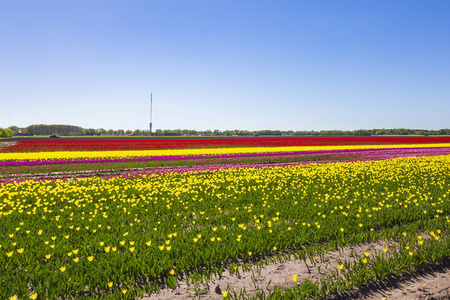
151 112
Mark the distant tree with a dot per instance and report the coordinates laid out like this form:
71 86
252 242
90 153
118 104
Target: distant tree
90 131
419 132
15 129
380 131
362 132
174 132
244 132
307 132
69 130
6 132
41 129
189 132
168 132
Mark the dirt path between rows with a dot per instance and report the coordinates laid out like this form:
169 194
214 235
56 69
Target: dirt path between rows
4 144
432 283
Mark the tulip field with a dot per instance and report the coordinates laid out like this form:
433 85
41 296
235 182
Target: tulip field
153 144
122 219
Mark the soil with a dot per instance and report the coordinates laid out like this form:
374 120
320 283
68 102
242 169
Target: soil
430 283
4 144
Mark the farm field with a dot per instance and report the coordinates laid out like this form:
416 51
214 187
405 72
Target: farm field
142 219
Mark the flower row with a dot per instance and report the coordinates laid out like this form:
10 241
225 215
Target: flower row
195 143
73 168
380 153
205 151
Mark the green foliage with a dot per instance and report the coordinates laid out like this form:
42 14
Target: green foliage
65 130
6 132
69 130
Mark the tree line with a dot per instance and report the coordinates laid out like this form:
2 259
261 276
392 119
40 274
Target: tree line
6 132
70 130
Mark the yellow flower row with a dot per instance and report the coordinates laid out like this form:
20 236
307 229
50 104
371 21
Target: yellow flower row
214 151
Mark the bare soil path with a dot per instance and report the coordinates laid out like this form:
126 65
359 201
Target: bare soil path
430 283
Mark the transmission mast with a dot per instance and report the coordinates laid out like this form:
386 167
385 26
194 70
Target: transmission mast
151 100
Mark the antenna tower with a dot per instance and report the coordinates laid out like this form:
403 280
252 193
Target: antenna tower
151 100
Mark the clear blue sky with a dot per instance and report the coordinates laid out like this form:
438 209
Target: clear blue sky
226 64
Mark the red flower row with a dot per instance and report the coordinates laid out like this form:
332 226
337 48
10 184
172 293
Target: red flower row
184 143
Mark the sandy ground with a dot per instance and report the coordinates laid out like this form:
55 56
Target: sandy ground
432 283
4 144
